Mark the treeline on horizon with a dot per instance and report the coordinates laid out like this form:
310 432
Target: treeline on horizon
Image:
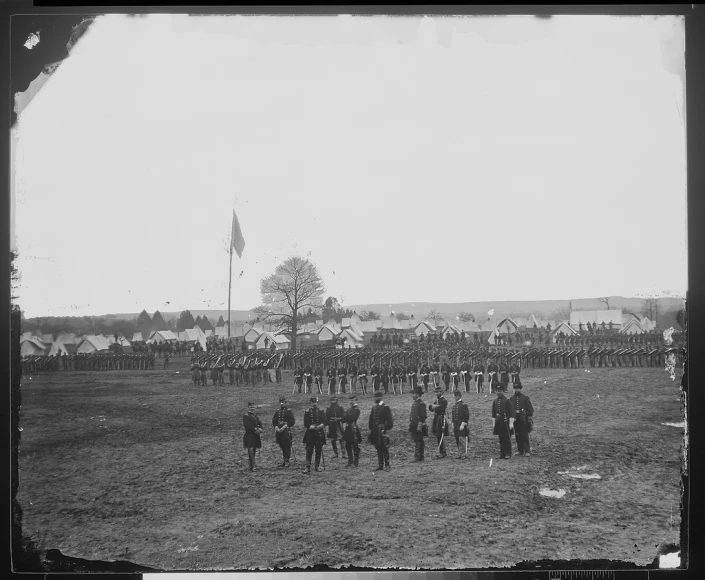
331 310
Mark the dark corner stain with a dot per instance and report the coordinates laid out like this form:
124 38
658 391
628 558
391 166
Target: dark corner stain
57 35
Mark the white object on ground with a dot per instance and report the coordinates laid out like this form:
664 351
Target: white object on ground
669 424
552 493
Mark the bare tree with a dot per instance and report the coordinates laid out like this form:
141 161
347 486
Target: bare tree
605 301
651 309
466 317
434 316
287 295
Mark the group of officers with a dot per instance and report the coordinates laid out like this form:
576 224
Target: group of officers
510 416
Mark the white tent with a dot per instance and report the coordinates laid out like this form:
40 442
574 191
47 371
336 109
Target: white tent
647 324
565 328
93 343
162 336
351 339
327 333
424 328
266 339
32 346
57 346
193 335
507 326
253 334
68 338
391 323
137 337
122 341
633 326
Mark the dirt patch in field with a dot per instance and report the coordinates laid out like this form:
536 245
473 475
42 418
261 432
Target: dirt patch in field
146 467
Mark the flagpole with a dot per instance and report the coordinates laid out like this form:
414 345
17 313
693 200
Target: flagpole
230 284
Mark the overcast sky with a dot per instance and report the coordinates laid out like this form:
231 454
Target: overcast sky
411 159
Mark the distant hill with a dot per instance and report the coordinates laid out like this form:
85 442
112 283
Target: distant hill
668 306
421 309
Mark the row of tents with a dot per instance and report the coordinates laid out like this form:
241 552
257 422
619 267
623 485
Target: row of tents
353 331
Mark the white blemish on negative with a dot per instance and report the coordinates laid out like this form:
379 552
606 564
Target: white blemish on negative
32 40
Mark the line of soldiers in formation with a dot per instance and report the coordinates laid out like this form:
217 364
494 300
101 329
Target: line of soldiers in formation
510 416
95 361
526 358
251 369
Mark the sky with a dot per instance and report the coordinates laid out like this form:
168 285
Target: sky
410 159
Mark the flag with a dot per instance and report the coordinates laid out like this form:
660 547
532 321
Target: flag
237 242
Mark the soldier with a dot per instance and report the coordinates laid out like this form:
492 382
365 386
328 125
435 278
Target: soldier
362 378
351 435
479 371
167 356
503 423
331 376
298 378
385 380
439 426
282 421
465 376
343 379
221 370
396 378
411 376
231 371
524 419
334 417
435 375
417 424
461 417
455 378
251 439
308 379
492 370
503 375
515 370
376 380
380 422
318 375
315 436
353 378
203 367
425 370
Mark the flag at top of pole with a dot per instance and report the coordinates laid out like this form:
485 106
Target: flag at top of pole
237 242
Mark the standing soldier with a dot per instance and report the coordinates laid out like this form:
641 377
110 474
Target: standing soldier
167 356
282 422
503 375
334 418
479 371
425 376
331 380
380 422
314 436
515 371
376 380
318 374
503 423
195 377
445 373
362 378
465 376
343 381
417 424
461 417
351 435
524 419
385 380
308 379
353 378
439 426
298 378
492 370
251 439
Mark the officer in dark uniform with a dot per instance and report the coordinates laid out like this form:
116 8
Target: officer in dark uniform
282 422
334 418
380 422
417 424
503 423
385 380
524 419
425 378
461 417
439 426
503 375
251 440
515 370
351 435
331 375
314 436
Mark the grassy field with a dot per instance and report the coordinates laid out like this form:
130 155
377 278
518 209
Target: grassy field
146 467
